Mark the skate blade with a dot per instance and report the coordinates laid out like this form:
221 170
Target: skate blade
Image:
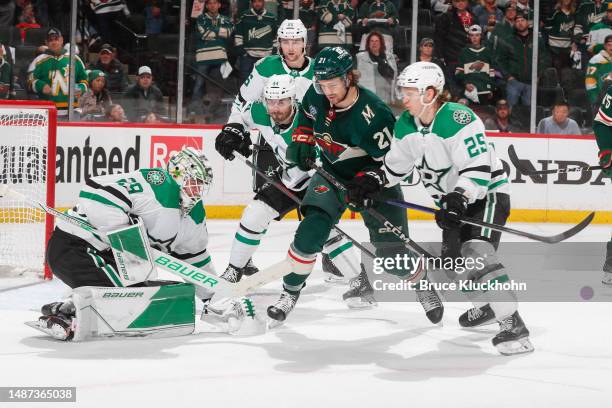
273 324
511 348
335 280
485 323
360 303
56 331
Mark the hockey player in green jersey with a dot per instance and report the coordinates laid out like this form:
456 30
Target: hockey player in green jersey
446 144
602 127
274 118
352 128
168 202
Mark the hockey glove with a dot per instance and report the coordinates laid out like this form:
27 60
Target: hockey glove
232 139
605 160
361 190
303 150
452 208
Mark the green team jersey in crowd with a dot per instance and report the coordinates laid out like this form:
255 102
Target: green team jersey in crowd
108 202
256 33
255 116
467 73
329 35
382 9
53 70
602 125
453 152
351 139
597 36
587 15
213 35
596 74
560 28
253 87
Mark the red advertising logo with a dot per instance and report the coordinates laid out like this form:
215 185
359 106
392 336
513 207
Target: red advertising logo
162 147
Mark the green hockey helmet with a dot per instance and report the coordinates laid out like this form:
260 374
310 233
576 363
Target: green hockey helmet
330 63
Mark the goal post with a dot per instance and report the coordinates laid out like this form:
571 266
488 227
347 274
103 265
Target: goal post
28 134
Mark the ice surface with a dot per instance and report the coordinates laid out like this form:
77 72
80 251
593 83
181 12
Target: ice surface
325 355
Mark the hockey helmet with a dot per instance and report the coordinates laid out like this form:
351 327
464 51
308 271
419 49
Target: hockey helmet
420 75
280 87
330 63
292 29
192 172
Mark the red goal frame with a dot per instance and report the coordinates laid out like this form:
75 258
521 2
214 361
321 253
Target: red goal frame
51 155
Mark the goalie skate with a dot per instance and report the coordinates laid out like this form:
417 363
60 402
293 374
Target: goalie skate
59 327
513 337
361 294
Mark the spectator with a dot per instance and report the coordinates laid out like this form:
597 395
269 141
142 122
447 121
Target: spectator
515 60
335 23
502 122
255 36
143 96
153 17
308 16
560 29
378 15
50 75
487 14
427 53
377 68
451 30
153 117
116 114
475 70
559 123
598 76
599 32
116 80
107 13
96 101
213 33
503 31
524 7
26 15
6 75
7 13
588 14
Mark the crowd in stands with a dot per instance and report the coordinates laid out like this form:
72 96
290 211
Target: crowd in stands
129 53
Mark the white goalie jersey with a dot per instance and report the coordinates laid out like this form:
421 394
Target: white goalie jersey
109 202
451 153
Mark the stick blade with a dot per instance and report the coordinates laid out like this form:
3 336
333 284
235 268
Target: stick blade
572 231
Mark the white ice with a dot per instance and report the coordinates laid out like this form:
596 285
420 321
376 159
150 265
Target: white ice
325 355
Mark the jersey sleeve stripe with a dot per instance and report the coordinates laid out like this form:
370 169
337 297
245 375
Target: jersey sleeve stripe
482 169
100 199
393 173
110 190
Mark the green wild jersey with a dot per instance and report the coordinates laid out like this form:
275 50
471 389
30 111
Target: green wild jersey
453 152
212 38
602 125
255 116
587 15
108 202
256 33
560 29
468 72
254 85
351 139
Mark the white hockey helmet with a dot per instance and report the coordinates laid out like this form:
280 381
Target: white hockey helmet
421 75
280 87
192 172
292 29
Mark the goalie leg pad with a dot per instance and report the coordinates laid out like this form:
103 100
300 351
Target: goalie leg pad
253 225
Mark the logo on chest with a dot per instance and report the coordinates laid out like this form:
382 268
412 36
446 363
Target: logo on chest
432 177
327 143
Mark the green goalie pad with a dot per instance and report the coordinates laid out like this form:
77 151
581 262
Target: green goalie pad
132 254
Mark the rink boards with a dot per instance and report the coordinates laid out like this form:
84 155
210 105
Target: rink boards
91 149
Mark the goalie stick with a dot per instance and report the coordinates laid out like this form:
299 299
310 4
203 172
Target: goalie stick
295 199
529 172
167 262
546 239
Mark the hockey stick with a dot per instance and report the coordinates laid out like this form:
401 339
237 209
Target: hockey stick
553 239
167 262
295 199
379 217
529 172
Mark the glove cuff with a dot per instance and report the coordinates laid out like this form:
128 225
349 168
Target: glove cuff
303 134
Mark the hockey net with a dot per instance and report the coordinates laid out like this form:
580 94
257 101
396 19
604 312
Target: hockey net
27 135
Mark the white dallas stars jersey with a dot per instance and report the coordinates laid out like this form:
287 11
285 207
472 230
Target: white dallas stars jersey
453 152
254 85
108 202
255 116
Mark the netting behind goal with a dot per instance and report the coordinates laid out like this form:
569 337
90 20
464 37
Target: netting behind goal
27 135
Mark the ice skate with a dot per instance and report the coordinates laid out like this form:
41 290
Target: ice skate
332 273
513 337
360 294
283 306
250 268
477 316
232 274
434 309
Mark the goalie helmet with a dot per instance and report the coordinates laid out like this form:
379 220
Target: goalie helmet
330 63
292 29
421 75
192 172
280 87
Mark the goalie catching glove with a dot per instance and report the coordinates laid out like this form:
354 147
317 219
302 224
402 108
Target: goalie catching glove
361 190
605 160
452 208
233 138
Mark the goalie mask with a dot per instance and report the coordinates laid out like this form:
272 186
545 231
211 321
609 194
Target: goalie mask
192 172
